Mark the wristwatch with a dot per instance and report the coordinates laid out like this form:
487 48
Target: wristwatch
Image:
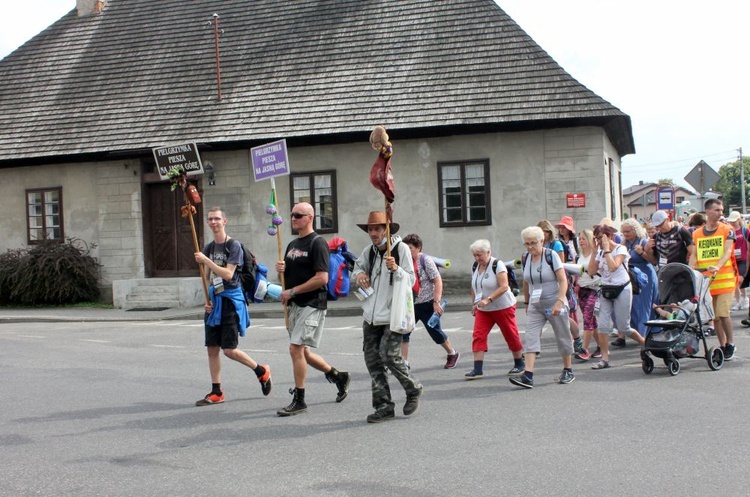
292 293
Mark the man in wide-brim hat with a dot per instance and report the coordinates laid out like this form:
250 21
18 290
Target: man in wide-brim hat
375 271
378 218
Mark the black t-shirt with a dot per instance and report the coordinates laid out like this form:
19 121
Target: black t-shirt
305 257
673 245
219 257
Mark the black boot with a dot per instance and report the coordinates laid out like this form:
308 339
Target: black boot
298 403
342 380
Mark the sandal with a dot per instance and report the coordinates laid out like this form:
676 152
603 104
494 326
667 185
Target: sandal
600 365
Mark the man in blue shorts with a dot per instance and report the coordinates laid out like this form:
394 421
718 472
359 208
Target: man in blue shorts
226 315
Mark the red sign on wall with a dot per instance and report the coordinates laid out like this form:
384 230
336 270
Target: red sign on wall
576 200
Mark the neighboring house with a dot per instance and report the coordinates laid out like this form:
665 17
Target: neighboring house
490 134
640 200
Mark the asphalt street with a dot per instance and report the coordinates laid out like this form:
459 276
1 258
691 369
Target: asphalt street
106 408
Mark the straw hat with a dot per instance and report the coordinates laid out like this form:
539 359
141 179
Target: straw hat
376 218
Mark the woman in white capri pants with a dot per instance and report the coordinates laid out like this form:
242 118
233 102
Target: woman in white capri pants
544 287
611 263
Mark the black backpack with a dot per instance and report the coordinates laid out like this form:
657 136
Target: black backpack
512 281
394 254
248 271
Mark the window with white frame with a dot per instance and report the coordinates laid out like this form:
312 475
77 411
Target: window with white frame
44 215
464 188
319 190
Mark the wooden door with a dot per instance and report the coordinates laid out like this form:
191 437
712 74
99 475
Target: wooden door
168 238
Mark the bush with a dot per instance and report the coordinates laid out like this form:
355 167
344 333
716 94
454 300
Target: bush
49 273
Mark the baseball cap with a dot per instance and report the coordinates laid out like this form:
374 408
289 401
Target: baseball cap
658 218
734 216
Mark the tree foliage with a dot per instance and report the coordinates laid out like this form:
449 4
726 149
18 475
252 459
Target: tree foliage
729 182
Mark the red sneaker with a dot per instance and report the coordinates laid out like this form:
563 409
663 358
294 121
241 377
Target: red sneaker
210 399
265 381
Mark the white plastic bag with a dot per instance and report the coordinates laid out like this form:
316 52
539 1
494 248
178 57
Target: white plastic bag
402 308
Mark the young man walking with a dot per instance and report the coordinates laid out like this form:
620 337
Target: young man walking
714 254
305 270
226 315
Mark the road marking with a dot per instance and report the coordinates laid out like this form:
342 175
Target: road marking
345 328
31 336
168 346
93 341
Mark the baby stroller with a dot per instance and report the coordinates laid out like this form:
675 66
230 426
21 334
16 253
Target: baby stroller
680 336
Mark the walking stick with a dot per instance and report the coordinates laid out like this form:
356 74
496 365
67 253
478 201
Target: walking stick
189 209
278 244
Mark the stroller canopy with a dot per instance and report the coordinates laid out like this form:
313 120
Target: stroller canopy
679 282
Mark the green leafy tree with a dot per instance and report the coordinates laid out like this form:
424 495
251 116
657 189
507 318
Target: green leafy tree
729 182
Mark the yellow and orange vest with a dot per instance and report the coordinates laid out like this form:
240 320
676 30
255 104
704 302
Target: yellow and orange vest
708 251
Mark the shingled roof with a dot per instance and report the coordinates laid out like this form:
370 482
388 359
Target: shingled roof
142 74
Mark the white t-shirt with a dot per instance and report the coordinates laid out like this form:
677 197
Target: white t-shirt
620 276
541 275
485 284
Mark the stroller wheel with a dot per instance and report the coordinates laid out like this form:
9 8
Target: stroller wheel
648 365
674 367
715 358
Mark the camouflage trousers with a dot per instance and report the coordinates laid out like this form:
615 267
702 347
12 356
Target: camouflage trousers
382 349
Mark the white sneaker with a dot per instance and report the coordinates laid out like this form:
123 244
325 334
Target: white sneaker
744 303
736 306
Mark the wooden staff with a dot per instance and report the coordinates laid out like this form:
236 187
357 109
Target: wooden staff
278 244
188 206
387 229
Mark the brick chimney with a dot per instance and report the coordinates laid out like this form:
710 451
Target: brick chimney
89 7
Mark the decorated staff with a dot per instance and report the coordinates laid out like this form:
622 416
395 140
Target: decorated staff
273 230
381 176
178 177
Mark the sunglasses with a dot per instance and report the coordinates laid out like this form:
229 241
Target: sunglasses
297 215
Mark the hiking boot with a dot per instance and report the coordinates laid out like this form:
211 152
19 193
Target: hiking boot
210 399
451 360
728 352
517 371
597 353
343 385
265 381
522 381
583 355
412 402
380 416
297 406
566 377
618 342
473 375
745 322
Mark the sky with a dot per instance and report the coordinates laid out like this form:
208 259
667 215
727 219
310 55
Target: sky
679 69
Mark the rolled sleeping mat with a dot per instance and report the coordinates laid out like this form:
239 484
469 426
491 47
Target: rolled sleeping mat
274 291
574 269
515 263
446 263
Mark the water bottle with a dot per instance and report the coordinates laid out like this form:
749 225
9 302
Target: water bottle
435 318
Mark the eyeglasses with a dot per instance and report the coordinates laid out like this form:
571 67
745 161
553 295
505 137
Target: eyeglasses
299 215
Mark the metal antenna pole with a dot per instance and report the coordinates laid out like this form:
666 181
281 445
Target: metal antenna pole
742 183
218 63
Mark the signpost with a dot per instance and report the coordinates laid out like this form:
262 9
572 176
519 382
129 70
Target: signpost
185 157
702 177
271 160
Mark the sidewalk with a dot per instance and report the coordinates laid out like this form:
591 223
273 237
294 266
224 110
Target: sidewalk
348 306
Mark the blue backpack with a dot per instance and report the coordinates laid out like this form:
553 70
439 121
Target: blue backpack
339 265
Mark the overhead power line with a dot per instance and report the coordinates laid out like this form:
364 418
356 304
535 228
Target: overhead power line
732 154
